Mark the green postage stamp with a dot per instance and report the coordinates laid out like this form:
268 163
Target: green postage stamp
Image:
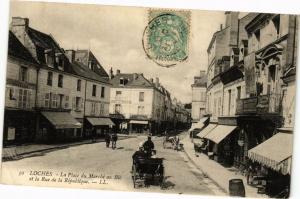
166 37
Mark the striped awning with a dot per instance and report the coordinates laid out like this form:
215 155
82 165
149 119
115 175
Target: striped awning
199 124
206 130
219 133
275 153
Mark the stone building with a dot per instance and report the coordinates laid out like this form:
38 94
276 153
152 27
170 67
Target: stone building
20 94
272 51
140 105
93 82
199 96
135 103
251 93
68 93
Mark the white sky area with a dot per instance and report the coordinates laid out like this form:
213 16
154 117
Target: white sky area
114 34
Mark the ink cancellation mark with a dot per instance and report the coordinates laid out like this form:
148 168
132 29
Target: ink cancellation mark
165 39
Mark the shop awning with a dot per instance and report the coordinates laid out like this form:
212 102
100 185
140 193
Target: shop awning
207 129
96 121
275 153
138 122
199 124
219 133
61 120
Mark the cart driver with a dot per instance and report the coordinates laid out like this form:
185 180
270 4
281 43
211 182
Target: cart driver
139 153
148 146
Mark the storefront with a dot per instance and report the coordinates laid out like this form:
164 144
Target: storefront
139 126
97 127
19 127
273 161
205 143
57 127
197 127
222 143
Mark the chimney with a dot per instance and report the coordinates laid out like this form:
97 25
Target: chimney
221 26
19 26
111 73
151 80
118 72
157 82
202 73
71 55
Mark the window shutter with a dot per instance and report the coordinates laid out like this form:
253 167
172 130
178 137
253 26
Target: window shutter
27 74
20 98
74 103
82 102
29 99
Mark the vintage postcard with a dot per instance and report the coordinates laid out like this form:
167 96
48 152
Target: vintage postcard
150 99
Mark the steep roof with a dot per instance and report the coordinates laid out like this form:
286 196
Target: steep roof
81 70
17 50
44 42
140 81
87 55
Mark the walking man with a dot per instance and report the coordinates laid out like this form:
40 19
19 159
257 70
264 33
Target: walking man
114 138
107 139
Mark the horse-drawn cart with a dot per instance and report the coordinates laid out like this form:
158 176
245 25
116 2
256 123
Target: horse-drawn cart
146 170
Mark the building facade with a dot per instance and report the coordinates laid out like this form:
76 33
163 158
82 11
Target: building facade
250 94
139 105
20 94
60 94
199 96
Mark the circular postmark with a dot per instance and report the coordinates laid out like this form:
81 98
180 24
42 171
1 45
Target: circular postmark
165 39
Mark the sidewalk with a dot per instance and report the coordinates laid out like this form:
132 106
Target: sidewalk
17 152
216 171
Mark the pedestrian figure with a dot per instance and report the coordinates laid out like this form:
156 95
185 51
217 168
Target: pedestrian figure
114 138
249 174
107 139
148 146
177 142
93 134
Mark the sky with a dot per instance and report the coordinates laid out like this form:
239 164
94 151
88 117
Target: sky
114 35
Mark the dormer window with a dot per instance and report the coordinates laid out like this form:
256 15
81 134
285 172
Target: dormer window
49 58
123 81
59 60
91 65
60 63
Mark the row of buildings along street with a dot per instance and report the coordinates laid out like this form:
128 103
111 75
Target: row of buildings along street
241 117
244 104
56 95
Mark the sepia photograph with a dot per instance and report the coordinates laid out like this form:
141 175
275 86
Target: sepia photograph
148 99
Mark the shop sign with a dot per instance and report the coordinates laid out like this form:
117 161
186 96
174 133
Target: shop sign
11 133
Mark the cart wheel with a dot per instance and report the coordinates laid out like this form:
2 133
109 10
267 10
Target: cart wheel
133 175
162 177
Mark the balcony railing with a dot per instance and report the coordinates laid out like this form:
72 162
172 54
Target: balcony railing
261 104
